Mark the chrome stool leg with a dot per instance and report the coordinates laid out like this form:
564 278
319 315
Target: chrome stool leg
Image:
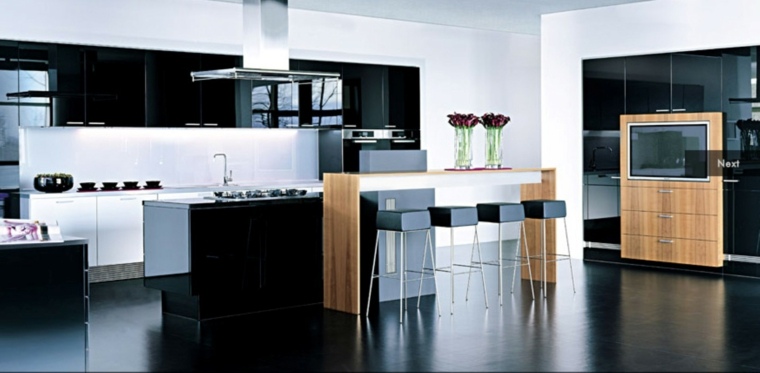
372 278
482 272
422 274
451 268
569 258
543 256
402 283
527 255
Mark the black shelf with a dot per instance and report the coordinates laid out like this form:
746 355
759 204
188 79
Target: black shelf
51 94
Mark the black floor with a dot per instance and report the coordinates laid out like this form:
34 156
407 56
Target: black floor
621 318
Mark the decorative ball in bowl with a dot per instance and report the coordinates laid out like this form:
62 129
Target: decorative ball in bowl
109 184
87 185
53 183
130 184
153 183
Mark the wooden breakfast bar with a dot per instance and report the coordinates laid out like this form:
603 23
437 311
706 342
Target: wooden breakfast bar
343 278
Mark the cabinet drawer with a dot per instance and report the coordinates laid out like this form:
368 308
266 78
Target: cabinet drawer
670 200
675 250
669 225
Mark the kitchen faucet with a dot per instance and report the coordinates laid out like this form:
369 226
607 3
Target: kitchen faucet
225 178
593 156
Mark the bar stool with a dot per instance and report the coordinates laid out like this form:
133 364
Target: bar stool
544 209
403 222
452 217
503 213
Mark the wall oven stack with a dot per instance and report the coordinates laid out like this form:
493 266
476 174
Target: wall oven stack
355 141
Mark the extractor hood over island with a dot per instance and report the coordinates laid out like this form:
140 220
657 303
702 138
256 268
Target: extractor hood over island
266 56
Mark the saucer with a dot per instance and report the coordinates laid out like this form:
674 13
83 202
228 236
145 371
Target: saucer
87 189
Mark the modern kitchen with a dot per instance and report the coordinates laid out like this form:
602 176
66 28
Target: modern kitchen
209 177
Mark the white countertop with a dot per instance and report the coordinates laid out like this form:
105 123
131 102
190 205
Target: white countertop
311 185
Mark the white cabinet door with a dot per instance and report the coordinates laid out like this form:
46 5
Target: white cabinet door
120 228
75 217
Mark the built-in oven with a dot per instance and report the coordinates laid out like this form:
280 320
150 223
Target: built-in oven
356 140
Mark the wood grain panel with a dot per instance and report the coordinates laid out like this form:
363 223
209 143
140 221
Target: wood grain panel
681 251
691 226
672 200
545 190
341 243
715 143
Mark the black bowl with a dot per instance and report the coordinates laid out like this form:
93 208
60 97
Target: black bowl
130 184
87 185
153 183
53 184
109 185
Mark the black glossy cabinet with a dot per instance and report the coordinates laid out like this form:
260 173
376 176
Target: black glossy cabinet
603 93
94 86
321 100
367 96
403 97
234 257
381 97
647 81
44 307
672 83
741 202
174 100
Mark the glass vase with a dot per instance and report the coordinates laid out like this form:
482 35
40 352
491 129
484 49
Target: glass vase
463 147
493 147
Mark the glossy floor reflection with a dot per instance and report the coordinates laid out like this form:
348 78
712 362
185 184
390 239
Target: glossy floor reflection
622 318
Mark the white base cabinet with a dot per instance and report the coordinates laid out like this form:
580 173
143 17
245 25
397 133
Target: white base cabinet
77 216
120 228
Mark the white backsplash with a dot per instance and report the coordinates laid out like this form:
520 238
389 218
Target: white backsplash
175 156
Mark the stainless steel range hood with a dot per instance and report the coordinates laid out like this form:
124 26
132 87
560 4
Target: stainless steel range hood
266 56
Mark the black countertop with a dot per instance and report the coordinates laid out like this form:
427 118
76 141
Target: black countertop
207 203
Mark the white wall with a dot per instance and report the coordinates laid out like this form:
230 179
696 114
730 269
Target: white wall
641 28
462 70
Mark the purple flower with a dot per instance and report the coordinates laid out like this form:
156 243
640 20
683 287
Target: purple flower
463 120
494 120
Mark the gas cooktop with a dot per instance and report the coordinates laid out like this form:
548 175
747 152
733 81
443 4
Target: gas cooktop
245 195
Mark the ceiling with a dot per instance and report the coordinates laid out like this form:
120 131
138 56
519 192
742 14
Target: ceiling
518 16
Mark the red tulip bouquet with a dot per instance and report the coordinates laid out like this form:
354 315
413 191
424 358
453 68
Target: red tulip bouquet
493 123
463 124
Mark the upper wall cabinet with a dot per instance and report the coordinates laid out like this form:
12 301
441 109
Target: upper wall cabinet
603 93
174 100
310 104
381 97
93 86
404 97
678 82
647 80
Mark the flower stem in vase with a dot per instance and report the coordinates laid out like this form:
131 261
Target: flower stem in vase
463 147
493 147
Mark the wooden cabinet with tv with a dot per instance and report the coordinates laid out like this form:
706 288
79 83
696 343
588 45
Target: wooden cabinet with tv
671 188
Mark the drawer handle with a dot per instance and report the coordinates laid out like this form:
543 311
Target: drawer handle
662 111
615 177
666 216
678 110
730 181
665 191
666 241
69 201
128 198
365 141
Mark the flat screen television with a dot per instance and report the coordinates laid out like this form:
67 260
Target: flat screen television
675 151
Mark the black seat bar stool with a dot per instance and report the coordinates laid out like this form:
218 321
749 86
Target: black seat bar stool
502 213
403 222
544 209
452 217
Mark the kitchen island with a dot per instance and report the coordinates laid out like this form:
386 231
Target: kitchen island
215 258
348 253
44 306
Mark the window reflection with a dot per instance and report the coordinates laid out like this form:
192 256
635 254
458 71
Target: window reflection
280 105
